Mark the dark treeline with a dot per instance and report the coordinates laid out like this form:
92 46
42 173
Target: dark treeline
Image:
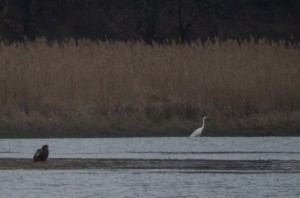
148 20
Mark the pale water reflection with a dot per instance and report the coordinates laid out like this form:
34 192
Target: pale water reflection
158 148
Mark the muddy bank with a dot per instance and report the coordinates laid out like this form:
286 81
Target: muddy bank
287 166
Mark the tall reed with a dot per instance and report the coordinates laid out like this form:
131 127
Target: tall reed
157 83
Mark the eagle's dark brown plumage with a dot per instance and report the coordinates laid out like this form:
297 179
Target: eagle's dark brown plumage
41 154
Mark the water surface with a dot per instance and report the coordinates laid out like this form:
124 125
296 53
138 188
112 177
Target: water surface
153 182
283 148
145 183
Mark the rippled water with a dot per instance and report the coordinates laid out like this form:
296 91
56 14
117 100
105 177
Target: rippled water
145 183
150 182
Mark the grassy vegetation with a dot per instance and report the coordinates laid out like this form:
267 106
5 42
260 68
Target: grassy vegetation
87 89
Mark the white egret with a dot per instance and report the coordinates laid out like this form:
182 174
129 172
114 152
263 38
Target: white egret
198 131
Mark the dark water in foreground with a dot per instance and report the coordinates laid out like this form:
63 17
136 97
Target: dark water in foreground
153 182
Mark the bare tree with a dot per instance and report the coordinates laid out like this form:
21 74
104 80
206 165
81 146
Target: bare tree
27 19
4 10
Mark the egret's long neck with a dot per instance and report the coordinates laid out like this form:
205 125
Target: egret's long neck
203 123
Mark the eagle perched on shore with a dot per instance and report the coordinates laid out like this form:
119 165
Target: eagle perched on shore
41 154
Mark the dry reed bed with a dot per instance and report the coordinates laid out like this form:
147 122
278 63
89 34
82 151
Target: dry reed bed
110 87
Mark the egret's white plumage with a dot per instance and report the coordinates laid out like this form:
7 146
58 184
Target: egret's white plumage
198 131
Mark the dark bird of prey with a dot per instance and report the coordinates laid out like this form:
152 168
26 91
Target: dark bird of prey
41 154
